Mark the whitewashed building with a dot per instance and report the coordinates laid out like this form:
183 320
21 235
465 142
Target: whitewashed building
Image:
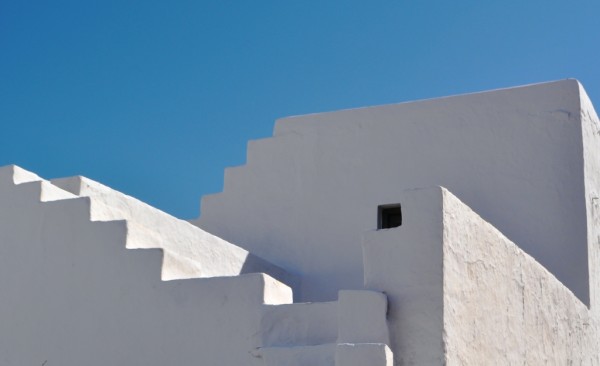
458 231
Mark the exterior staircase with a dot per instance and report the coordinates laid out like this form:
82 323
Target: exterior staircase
347 332
188 252
350 331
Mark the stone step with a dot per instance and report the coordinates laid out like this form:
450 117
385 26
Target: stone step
359 316
319 355
13 174
190 252
330 354
44 191
363 354
300 324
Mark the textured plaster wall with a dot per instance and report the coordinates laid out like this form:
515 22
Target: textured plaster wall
72 294
501 306
591 153
461 293
514 155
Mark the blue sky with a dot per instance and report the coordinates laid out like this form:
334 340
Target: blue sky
156 98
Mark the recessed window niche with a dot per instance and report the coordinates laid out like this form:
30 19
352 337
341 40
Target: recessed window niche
389 216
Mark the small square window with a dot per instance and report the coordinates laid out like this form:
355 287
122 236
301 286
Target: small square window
389 216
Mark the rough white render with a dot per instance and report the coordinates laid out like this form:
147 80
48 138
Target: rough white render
591 155
509 277
501 305
461 293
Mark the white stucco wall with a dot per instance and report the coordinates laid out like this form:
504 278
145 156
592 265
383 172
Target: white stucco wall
461 293
320 333
407 264
591 153
72 294
502 307
305 196
188 252
446 287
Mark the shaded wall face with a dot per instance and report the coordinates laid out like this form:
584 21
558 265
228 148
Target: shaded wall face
306 196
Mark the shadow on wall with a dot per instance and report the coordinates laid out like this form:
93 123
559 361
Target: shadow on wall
255 264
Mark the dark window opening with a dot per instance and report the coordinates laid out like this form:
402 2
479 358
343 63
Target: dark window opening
389 216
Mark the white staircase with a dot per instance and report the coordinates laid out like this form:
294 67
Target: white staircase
188 252
88 218
348 332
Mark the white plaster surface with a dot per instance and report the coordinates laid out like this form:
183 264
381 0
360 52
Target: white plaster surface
188 252
321 355
406 263
591 155
446 287
310 330
514 155
461 293
72 294
365 354
362 317
501 307
301 324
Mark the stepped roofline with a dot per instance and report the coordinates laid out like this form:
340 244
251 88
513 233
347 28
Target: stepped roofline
570 82
515 155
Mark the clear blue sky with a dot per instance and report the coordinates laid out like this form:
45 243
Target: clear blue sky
156 98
